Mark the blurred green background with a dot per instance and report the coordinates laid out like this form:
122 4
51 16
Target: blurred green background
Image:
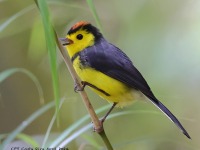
161 37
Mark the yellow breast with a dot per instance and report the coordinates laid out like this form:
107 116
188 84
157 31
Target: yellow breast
118 91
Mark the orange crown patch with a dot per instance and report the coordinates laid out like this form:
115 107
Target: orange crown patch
79 24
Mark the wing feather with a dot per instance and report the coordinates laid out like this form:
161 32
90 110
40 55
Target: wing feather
111 61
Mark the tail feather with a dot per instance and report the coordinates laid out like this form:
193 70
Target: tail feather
169 115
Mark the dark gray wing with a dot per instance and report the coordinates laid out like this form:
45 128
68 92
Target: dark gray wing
111 61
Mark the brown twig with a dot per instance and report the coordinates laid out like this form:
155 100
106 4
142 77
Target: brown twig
98 126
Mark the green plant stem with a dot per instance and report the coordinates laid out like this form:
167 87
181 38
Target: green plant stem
106 140
51 46
24 124
94 13
7 73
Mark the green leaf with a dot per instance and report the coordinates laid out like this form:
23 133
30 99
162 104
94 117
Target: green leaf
24 137
94 13
51 46
11 19
75 126
26 123
92 141
50 127
28 139
7 73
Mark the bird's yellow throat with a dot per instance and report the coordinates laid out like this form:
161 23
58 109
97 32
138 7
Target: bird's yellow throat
79 45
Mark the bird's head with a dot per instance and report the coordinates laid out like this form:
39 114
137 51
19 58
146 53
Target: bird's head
80 36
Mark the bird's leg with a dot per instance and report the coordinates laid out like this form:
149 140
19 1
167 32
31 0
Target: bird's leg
84 83
104 118
82 86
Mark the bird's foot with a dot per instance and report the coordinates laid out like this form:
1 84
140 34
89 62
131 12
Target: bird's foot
78 87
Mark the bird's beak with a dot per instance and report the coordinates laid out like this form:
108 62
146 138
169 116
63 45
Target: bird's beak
65 41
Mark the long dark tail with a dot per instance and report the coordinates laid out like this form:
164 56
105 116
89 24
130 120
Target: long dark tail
169 115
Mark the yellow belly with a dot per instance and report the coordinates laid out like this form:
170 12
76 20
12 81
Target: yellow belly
118 91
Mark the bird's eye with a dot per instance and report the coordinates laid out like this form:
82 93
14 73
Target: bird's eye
79 36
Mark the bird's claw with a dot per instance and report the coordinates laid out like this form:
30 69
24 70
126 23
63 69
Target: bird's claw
78 87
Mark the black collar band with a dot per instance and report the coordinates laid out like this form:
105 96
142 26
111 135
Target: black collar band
75 56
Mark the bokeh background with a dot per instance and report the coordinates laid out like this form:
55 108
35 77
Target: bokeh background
161 37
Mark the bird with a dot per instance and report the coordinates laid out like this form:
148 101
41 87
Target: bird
107 70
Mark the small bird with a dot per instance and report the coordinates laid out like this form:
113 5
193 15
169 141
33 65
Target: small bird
107 70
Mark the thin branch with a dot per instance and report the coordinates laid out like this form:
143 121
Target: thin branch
95 119
98 126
